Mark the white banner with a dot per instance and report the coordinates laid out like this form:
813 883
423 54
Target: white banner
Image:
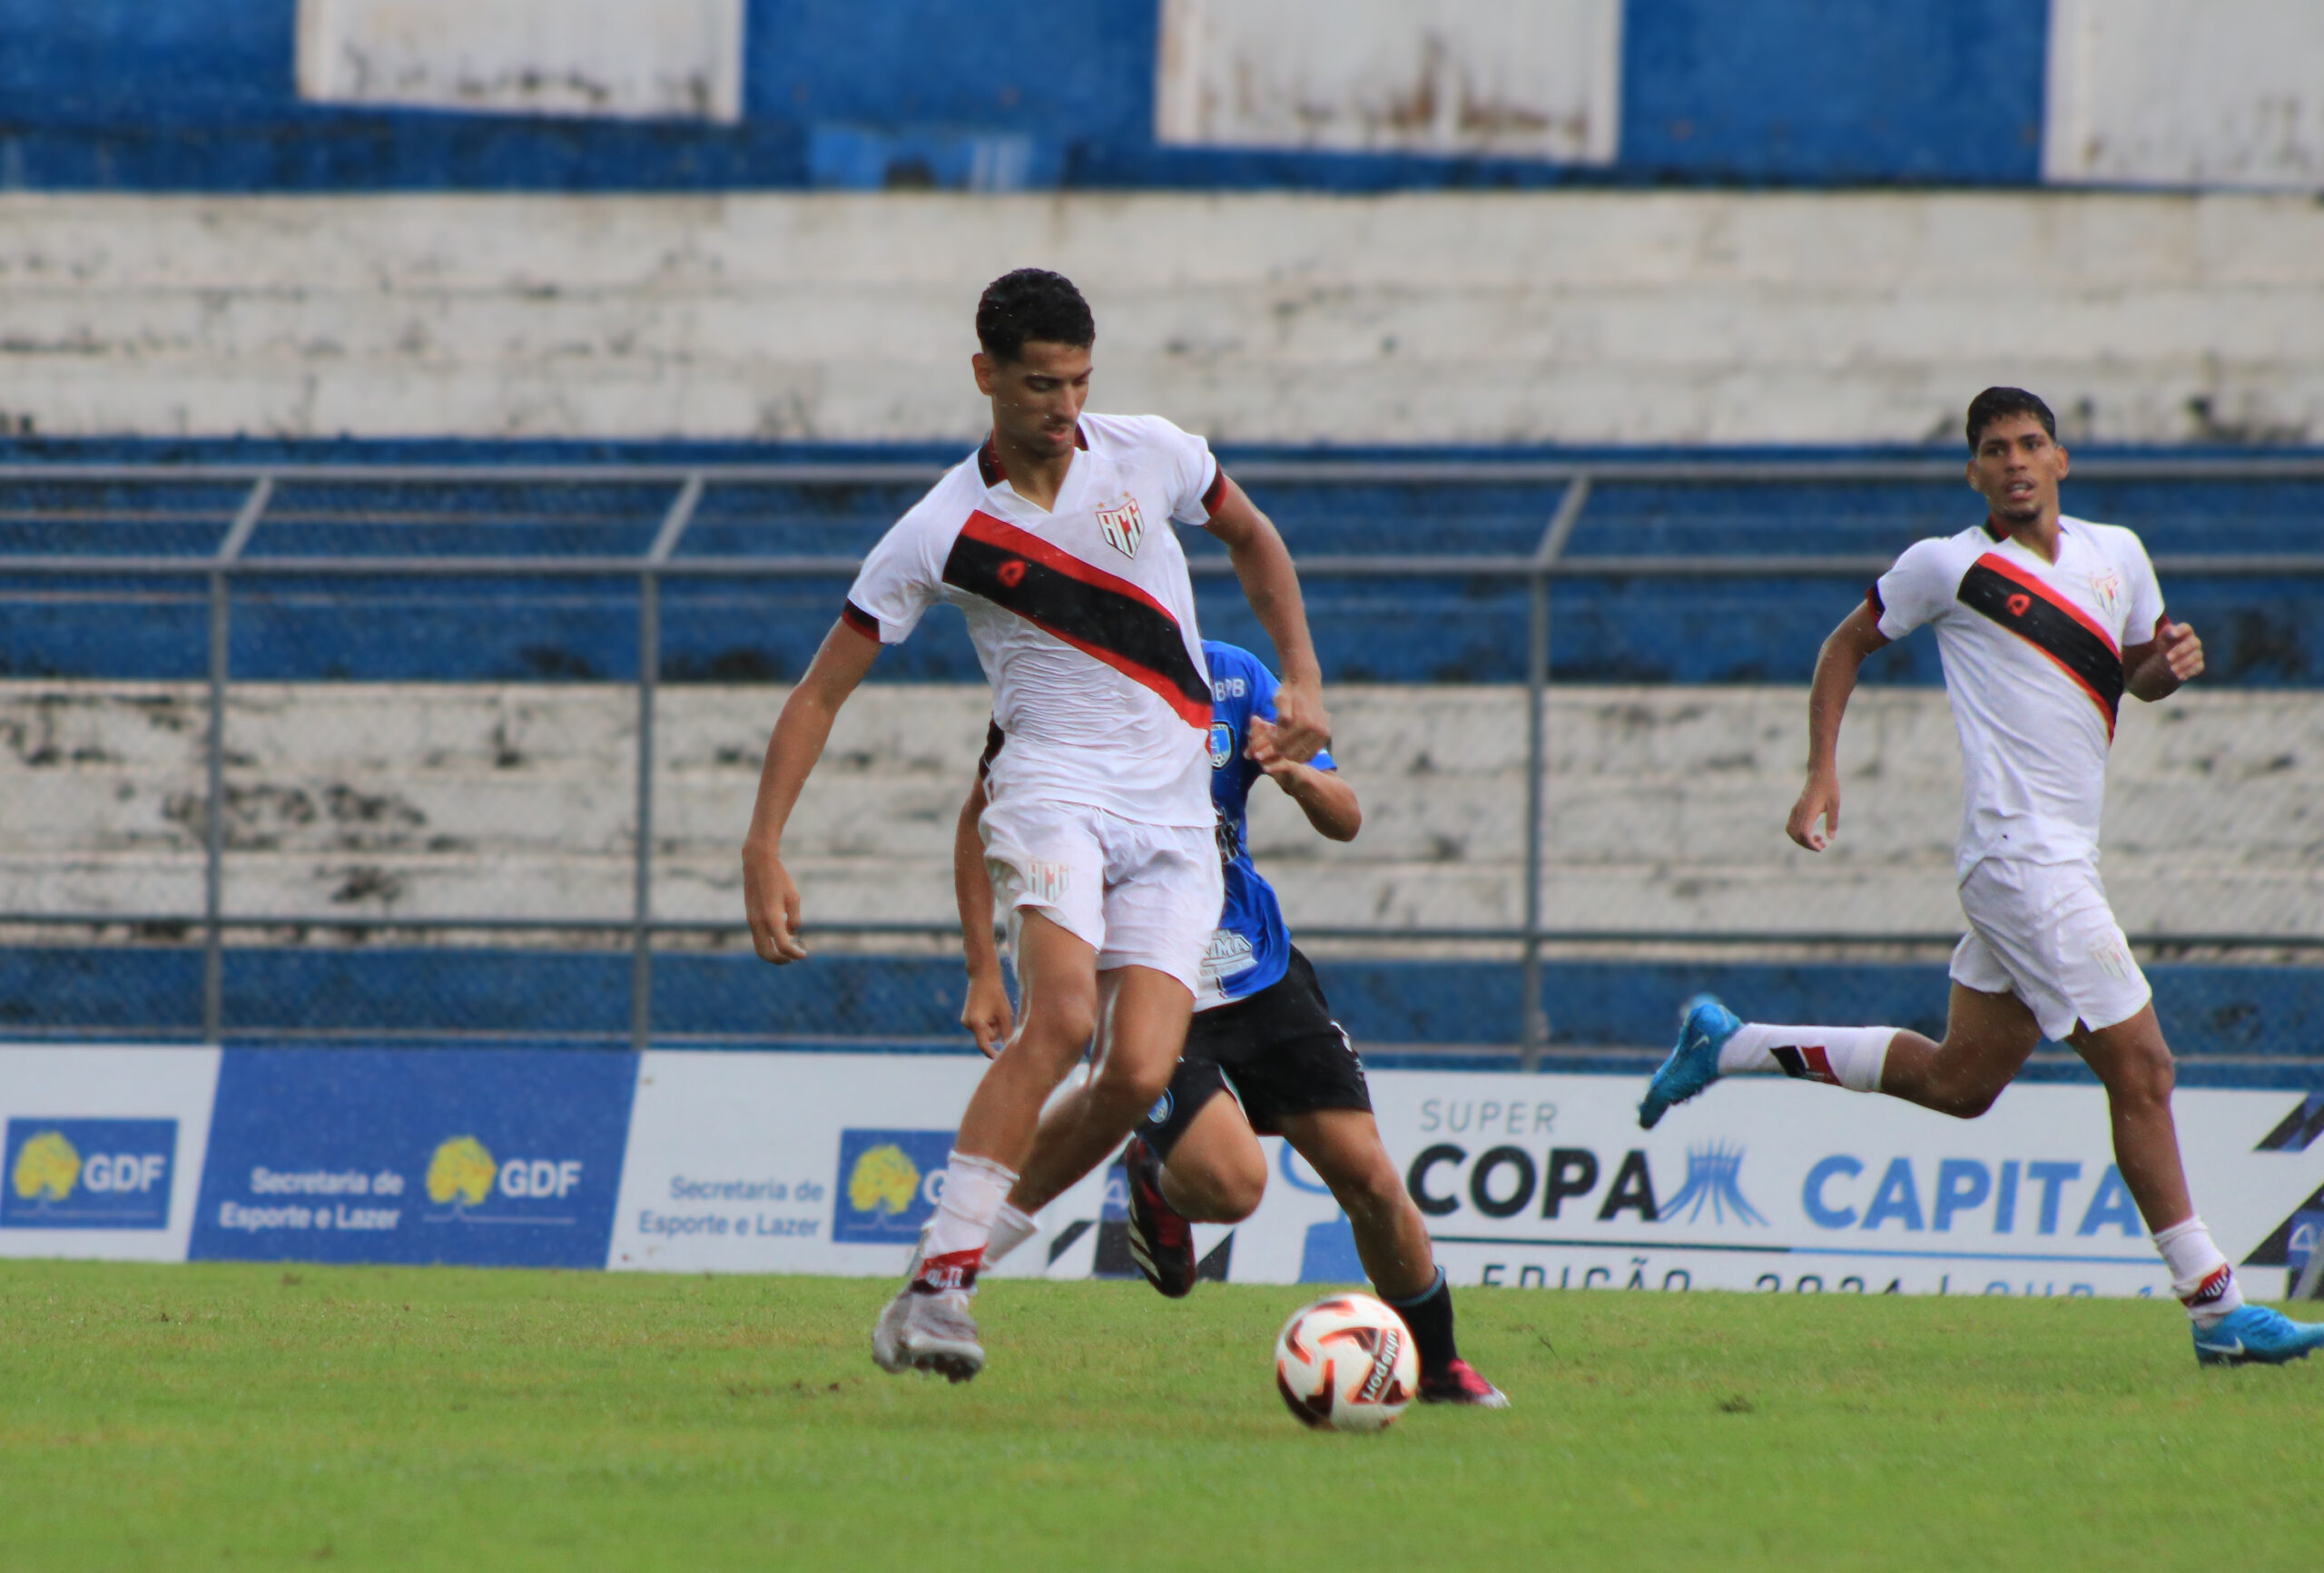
103 1150
620 58
1534 79
1771 1185
830 1163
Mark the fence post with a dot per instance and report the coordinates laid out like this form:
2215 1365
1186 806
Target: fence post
213 813
649 681
1533 1029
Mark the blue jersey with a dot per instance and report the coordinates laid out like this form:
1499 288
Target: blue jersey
1252 947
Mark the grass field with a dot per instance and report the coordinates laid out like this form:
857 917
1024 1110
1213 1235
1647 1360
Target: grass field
224 1417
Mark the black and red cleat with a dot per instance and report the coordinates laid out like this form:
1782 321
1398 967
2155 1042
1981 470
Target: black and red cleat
1161 1242
1458 1382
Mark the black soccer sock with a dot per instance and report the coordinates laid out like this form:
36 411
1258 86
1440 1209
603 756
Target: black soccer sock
1429 1314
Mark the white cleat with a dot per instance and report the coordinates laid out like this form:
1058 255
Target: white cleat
925 1331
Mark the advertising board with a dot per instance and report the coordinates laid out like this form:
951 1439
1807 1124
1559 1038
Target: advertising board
103 1149
506 1158
830 1163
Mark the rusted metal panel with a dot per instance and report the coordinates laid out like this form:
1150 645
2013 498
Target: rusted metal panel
649 59
1512 78
2227 93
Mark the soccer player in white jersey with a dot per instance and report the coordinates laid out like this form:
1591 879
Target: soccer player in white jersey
1055 540
1263 1058
2043 624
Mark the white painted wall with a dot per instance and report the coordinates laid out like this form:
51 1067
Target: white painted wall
1510 78
1556 317
643 59
2165 93
1665 806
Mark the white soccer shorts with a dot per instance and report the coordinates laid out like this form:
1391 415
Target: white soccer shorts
2043 932
1142 895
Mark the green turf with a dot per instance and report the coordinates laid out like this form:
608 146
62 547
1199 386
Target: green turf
236 1416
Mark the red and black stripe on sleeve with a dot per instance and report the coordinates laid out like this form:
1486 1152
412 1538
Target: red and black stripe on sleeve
1996 589
1216 493
862 621
1106 618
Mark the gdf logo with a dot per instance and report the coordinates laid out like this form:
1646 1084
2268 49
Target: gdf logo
123 1172
539 1177
463 1173
70 1173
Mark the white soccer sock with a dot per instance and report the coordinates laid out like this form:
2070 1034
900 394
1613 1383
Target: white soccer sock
2200 1274
953 1249
1010 1229
1848 1056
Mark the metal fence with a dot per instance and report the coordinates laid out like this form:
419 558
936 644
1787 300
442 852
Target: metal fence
66 524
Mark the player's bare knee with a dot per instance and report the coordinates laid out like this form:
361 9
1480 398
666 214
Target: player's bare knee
1122 1086
1971 1103
1966 1100
2141 1079
1061 1026
1237 1192
1374 1190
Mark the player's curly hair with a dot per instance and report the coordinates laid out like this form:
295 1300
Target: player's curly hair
1032 303
1999 403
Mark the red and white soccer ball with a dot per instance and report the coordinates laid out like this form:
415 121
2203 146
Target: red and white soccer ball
1346 1365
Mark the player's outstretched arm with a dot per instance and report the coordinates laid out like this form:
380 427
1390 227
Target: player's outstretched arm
1271 584
1837 665
2155 669
986 1013
1328 801
770 900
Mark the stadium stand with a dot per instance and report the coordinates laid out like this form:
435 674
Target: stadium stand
1678 573
480 352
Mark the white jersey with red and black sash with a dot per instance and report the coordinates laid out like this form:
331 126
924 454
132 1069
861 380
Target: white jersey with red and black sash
2033 656
1082 615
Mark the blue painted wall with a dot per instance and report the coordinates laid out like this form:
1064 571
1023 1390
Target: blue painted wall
197 94
2251 1025
2258 632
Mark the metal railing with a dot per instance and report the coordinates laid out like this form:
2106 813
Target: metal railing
1549 561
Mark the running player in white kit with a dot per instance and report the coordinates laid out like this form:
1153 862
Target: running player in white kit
2043 623
1263 1058
1055 540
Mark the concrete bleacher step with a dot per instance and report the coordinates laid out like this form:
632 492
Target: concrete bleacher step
1663 806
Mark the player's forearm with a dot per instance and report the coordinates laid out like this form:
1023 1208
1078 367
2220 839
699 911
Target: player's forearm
2152 679
800 733
1271 585
1329 802
1837 668
972 892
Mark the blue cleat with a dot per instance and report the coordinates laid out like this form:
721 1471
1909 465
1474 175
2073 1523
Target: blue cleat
1704 1028
2256 1335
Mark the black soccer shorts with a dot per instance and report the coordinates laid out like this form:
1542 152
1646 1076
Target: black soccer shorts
1279 1048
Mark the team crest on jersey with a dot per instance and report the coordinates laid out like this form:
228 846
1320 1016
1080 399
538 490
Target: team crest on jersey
1222 744
1124 527
2106 584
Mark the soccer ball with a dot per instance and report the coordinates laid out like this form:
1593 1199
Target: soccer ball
1346 1365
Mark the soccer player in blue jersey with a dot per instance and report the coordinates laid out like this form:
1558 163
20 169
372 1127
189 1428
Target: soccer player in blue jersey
1262 1027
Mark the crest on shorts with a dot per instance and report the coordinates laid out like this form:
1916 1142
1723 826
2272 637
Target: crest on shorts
1123 527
